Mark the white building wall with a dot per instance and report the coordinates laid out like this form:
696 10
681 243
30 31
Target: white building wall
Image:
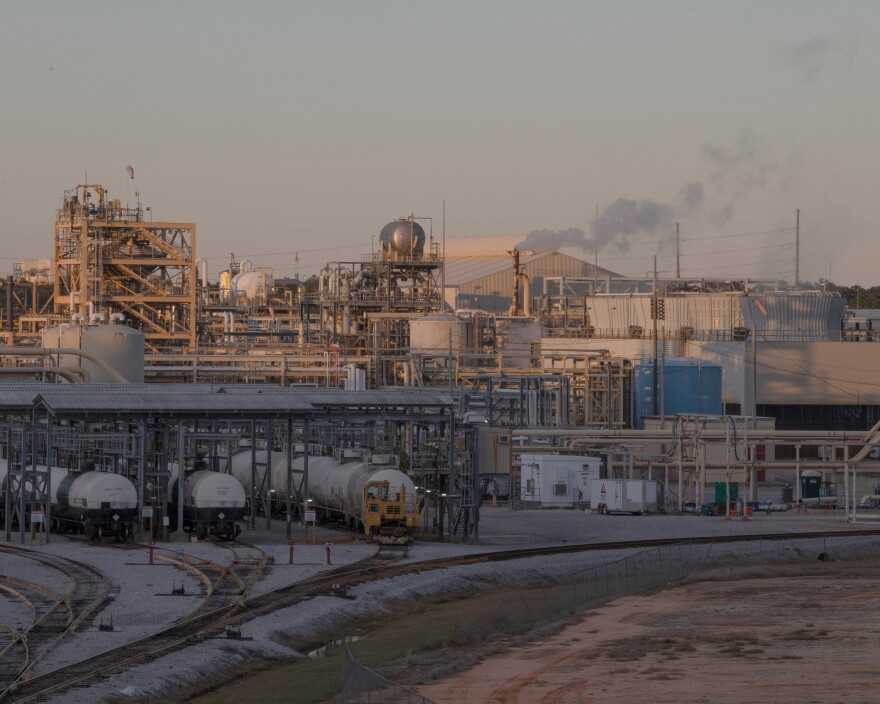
543 478
793 373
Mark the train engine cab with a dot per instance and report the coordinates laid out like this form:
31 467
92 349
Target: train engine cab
391 513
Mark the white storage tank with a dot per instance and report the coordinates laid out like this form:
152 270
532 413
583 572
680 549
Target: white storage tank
118 346
433 334
251 286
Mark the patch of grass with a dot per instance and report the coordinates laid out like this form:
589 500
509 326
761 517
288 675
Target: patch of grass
408 640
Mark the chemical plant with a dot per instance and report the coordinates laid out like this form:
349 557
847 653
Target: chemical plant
396 393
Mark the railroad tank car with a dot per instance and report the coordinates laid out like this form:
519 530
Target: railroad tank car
3 472
98 504
374 497
213 502
95 503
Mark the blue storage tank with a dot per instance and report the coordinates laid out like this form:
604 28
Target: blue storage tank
692 386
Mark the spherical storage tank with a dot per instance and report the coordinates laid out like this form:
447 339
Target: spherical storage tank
403 237
689 386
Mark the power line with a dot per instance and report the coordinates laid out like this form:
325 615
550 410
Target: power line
777 230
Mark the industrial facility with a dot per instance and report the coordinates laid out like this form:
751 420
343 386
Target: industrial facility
450 378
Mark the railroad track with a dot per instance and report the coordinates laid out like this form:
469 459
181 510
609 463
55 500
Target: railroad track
384 564
226 584
52 613
205 624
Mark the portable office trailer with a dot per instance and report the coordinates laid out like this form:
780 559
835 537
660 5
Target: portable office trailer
623 496
557 481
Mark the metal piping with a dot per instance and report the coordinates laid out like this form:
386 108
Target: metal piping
42 351
72 374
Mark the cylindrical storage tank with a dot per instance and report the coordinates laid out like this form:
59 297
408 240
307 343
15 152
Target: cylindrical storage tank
253 286
205 490
118 346
97 490
432 334
689 386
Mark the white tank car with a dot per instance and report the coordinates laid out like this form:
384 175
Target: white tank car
240 468
96 503
341 486
94 490
204 489
333 485
212 503
336 486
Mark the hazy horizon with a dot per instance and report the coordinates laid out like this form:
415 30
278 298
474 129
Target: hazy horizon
283 128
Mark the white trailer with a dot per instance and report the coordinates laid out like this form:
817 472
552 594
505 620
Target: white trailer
623 496
556 481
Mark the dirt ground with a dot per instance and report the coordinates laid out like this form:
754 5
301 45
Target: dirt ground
792 639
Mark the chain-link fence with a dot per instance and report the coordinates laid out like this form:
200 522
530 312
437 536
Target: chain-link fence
634 574
363 685
520 610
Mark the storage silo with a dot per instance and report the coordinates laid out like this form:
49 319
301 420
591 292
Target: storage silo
438 332
117 346
689 386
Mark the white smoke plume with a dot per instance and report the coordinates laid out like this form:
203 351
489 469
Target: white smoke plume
619 222
734 172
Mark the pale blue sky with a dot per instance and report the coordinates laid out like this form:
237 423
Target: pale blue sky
289 126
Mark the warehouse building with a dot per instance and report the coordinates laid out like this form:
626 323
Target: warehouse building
479 274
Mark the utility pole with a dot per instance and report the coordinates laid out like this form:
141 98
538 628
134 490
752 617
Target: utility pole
797 249
677 251
443 268
655 313
596 253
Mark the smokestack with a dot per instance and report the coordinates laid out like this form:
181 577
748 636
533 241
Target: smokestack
514 305
9 325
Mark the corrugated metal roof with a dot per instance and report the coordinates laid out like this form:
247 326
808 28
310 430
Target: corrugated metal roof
462 270
385 397
213 399
139 402
18 395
